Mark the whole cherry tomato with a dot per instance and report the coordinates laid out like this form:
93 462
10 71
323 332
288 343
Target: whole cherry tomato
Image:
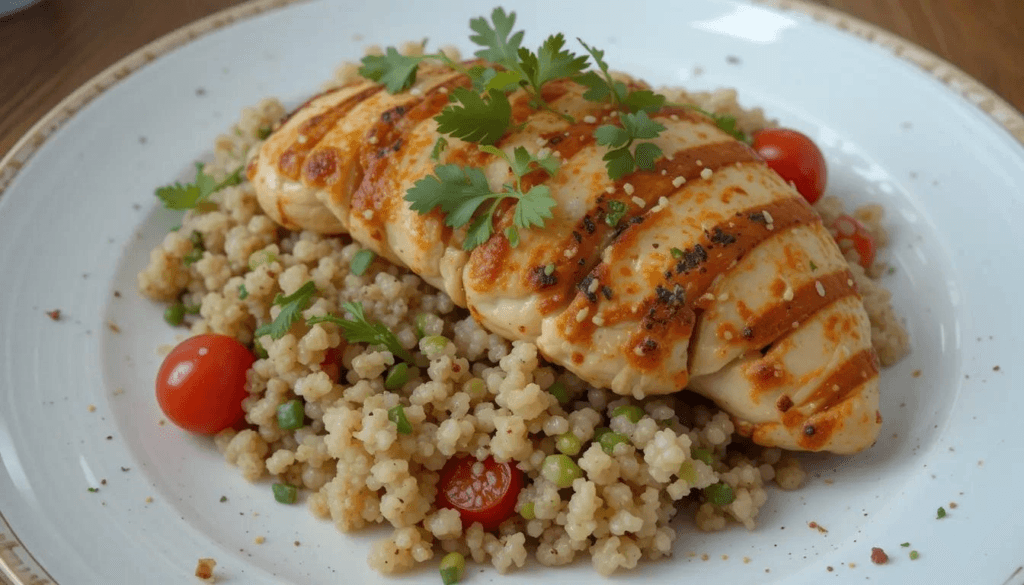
201 383
482 491
851 234
795 158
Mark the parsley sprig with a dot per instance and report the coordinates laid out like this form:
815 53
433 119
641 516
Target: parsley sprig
602 87
191 195
474 118
360 330
623 159
397 72
292 307
461 191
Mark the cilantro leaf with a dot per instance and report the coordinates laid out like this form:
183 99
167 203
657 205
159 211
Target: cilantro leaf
550 62
397 72
360 330
620 161
189 195
643 100
447 188
499 47
602 86
474 118
291 310
725 123
439 146
598 89
534 207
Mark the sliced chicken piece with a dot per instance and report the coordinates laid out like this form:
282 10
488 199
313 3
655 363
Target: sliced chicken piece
708 272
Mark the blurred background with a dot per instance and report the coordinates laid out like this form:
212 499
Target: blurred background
51 47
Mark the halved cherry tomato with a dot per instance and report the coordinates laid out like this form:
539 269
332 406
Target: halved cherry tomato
201 383
482 491
795 158
854 240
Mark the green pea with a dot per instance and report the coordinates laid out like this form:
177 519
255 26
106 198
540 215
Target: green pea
285 493
174 314
361 261
433 345
560 470
720 494
633 413
687 473
609 440
559 391
421 324
397 376
263 132
702 455
568 443
290 415
526 511
453 566
261 257
396 414
476 388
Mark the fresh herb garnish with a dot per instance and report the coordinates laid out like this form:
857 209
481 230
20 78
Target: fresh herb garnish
725 123
190 195
360 330
941 513
361 261
291 310
460 192
285 493
677 253
621 160
263 133
603 87
500 47
439 146
616 209
243 293
474 118
396 414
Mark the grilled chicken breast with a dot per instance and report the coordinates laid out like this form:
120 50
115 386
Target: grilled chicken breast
708 272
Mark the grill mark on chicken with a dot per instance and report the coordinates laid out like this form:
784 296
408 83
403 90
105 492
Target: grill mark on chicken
312 131
775 322
856 370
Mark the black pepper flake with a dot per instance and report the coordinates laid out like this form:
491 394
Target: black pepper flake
576 236
747 333
544 277
588 224
584 287
758 217
691 259
649 345
581 261
397 145
396 112
720 237
607 290
636 220
809 430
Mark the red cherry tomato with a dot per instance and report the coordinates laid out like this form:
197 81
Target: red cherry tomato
201 383
851 234
795 158
332 362
482 491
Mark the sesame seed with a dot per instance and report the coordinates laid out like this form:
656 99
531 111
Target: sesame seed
796 324
820 288
373 140
598 321
628 188
678 181
594 285
582 314
663 201
700 163
540 141
544 152
664 171
590 119
417 92
569 252
610 189
727 335
723 297
639 202
788 294
301 139
669 157
767 217
707 297
638 350
849 282
368 214
674 117
706 173
443 90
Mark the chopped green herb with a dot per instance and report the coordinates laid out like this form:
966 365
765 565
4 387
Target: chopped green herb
192 257
720 494
460 192
688 473
359 330
453 565
263 133
433 345
361 261
259 350
601 87
500 45
396 414
941 513
568 443
395 71
905 544
193 309
549 269
189 195
474 118
439 146
290 415
914 555
285 493
702 455
725 123
93 490
616 209
397 376
621 161
174 314
223 499
421 325
813 266
559 391
631 412
261 257
243 293
291 311
677 253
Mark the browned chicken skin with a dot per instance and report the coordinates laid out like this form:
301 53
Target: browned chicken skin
718 277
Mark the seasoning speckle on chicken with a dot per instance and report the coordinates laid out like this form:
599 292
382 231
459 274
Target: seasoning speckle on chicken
664 257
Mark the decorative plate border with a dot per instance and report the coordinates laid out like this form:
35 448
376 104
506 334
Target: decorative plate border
21 568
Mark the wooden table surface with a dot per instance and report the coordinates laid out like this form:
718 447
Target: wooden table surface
50 49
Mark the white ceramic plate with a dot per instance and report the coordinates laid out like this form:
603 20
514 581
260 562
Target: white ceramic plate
78 218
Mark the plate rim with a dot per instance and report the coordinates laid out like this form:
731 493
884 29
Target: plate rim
24 568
